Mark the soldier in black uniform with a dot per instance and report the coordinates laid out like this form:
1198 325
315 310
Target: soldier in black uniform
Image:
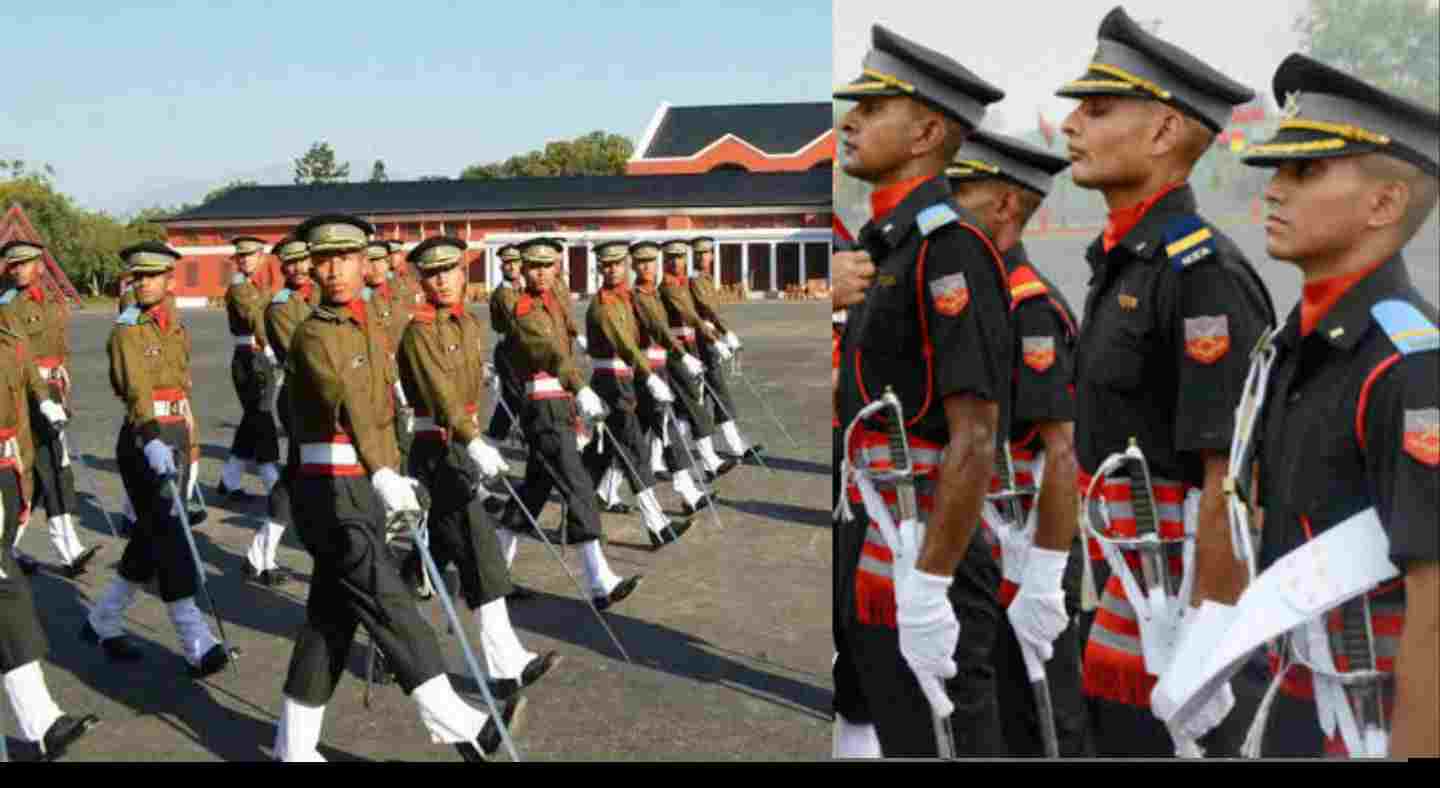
1002 181
1172 306
340 379
935 328
1351 420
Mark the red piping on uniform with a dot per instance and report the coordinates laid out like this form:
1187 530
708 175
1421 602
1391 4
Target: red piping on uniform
1365 396
1121 222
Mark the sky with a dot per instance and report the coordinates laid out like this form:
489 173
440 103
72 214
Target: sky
159 102
1029 48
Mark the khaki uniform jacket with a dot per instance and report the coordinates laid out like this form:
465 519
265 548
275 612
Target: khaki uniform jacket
680 306
340 379
702 289
442 368
43 323
542 345
147 357
613 331
286 311
19 380
653 320
245 302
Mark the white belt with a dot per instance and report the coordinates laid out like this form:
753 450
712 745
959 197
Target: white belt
684 332
167 408
544 386
51 373
9 449
246 341
657 354
328 454
614 365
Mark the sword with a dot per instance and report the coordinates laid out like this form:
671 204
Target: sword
704 389
624 457
104 504
668 415
1365 683
179 505
764 403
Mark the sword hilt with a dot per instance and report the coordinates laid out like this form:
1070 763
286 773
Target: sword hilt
902 466
1357 643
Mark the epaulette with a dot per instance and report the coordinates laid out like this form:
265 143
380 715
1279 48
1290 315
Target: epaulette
935 217
524 305
8 296
1410 330
425 313
1188 240
282 295
238 279
1024 284
326 313
130 317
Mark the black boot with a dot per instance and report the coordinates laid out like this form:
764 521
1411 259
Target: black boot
64 732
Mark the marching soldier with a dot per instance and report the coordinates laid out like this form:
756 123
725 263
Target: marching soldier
285 312
1351 419
685 324
442 369
702 290
149 353
935 328
502 307
617 361
341 378
667 358
252 369
42 322
393 315
1170 301
22 639
553 390
1002 182
406 293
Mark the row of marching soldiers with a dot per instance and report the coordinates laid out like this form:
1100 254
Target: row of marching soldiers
379 390
1257 498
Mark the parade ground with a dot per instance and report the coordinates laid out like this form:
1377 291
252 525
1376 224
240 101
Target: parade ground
729 633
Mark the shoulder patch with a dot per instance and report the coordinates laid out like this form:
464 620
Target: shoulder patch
935 217
129 317
1422 435
1025 284
950 293
1410 330
282 296
524 305
1207 338
8 296
1188 240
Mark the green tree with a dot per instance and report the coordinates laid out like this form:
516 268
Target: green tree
377 172
1394 44
318 166
220 191
596 153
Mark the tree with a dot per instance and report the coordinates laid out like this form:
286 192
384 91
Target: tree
596 153
220 191
1393 44
318 166
377 172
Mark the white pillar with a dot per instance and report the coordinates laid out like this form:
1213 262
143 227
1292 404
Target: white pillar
774 269
745 269
802 249
592 267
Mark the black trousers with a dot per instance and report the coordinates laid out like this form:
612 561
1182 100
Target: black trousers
279 507
550 433
719 389
157 547
688 404
500 421
653 422
355 582
1019 716
888 688
624 439
54 484
461 531
22 640
256 439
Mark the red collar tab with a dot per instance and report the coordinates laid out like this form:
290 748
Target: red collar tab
887 198
1318 298
1121 222
36 293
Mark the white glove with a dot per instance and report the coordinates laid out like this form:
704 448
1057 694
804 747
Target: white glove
486 458
925 620
396 492
723 351
400 395
1215 710
692 366
709 325
160 457
591 408
270 357
732 340
1038 611
659 390
53 412
581 341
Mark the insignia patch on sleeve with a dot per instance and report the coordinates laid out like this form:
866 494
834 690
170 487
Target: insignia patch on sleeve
1207 338
951 294
1038 352
1422 435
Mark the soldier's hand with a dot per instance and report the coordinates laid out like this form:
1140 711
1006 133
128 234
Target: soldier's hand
1038 611
659 389
692 366
160 457
852 274
396 492
723 351
486 458
583 343
53 413
732 340
591 409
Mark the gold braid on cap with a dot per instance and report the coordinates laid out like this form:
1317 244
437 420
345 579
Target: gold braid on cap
966 167
1283 148
882 81
1126 76
1339 129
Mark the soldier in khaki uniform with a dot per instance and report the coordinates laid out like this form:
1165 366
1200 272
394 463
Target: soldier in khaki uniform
407 293
288 308
393 315
618 361
667 448
22 640
554 388
685 323
702 290
341 381
502 307
442 370
252 368
42 322
150 372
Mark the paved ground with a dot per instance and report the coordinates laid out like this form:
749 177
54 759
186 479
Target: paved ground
730 632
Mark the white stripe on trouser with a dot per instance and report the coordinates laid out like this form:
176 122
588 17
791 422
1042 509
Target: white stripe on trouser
189 494
731 433
191 629
107 618
650 513
59 539
233 473
707 454
72 539
597 570
505 658
298 733
449 719
684 484
262 548
35 710
508 542
657 455
851 740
